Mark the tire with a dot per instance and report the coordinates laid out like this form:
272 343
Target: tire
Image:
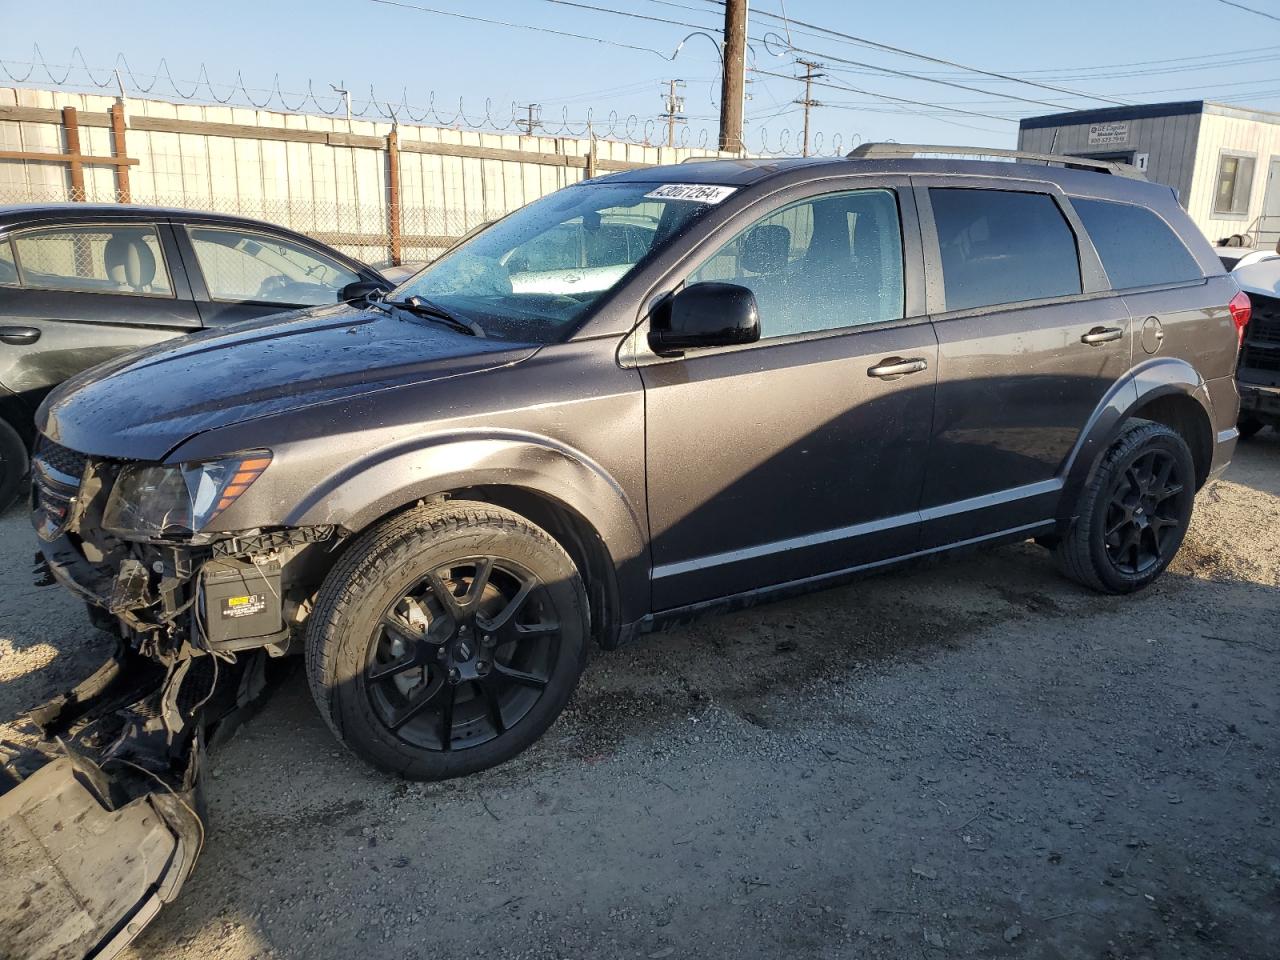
1123 500
432 618
14 465
1249 426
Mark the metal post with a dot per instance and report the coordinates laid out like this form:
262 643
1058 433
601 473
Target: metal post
532 120
393 193
675 110
733 80
808 102
71 125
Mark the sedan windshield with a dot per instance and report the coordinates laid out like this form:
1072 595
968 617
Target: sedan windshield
533 275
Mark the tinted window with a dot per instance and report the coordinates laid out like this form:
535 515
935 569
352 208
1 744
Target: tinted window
96 259
1003 247
1137 248
239 266
833 261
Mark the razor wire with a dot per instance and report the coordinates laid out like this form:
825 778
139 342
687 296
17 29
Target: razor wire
440 112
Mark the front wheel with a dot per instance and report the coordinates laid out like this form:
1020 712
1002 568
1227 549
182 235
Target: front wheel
447 640
1133 513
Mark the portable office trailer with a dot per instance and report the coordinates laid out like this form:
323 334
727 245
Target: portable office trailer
1222 161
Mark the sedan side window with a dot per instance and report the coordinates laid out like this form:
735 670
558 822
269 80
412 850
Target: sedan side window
821 264
259 268
97 258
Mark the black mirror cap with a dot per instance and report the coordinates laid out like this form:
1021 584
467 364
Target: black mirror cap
361 290
708 314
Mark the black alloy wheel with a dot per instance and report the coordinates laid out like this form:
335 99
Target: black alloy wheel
1143 516
447 639
1133 511
462 655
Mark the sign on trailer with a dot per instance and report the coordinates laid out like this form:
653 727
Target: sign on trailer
1108 134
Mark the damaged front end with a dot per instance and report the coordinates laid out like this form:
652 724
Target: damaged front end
101 811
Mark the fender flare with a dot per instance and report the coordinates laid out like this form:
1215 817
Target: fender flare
1156 378
363 491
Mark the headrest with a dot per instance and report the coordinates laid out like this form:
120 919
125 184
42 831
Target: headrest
765 248
129 261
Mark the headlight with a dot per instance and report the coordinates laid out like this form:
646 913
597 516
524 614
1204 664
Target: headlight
151 500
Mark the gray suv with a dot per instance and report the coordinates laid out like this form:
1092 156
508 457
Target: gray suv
646 396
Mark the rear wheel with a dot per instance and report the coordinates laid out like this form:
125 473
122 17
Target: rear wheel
1133 513
447 640
14 465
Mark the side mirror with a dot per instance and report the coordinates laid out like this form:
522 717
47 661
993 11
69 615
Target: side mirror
361 290
710 314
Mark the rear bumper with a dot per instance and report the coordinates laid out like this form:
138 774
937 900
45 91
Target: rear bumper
1259 400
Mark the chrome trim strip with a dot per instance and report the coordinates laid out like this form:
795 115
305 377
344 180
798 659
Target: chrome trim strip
858 529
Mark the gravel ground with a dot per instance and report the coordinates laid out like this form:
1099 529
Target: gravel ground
975 758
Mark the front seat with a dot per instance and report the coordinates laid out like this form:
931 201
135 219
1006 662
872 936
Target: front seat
765 251
129 262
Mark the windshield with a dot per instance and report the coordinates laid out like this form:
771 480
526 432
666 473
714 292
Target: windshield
534 274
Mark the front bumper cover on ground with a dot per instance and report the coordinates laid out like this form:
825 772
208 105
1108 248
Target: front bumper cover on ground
101 807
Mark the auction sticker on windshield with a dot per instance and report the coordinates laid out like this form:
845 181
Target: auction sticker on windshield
697 192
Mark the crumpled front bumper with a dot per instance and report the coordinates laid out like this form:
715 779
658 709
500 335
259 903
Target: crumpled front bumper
101 806
81 873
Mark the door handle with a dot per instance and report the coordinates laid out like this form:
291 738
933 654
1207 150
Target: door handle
893 367
17 336
1102 335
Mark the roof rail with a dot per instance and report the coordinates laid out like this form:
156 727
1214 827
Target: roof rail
868 151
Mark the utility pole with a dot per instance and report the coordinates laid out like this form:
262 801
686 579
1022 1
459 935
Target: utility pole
733 81
675 110
532 119
808 102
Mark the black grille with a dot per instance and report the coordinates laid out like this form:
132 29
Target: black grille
1261 350
60 459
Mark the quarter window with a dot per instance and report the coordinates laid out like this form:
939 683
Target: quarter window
1235 183
259 268
1136 247
821 264
100 258
1003 247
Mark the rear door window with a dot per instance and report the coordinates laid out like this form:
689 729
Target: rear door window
93 258
1001 246
1137 248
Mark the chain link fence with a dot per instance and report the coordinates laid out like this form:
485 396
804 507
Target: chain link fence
362 231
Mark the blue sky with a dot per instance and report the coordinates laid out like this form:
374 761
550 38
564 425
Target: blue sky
1100 50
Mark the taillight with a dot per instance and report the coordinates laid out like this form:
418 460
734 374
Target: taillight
1241 309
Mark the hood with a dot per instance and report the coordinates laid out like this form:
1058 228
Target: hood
141 405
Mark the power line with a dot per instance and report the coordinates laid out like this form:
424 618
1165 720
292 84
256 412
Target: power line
519 26
916 55
1241 6
885 96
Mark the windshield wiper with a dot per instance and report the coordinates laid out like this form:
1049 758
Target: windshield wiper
421 307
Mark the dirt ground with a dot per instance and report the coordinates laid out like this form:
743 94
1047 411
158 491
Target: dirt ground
972 759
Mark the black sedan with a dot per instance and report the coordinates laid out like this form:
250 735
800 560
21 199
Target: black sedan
81 283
